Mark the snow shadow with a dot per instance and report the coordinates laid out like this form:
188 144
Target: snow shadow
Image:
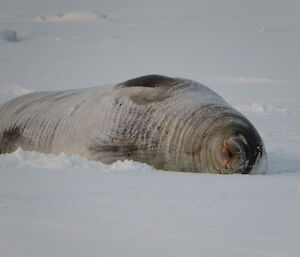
10 36
279 162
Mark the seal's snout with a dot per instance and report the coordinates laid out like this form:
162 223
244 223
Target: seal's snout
228 155
234 155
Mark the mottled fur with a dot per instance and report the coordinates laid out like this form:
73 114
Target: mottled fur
169 123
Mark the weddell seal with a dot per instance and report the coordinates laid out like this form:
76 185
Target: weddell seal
170 123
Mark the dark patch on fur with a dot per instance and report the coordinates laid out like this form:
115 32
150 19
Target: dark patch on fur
143 100
151 81
115 150
157 89
11 139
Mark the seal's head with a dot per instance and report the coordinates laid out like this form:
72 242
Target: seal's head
238 150
233 145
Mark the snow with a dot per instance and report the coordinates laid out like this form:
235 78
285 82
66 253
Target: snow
10 91
73 17
247 51
250 80
68 206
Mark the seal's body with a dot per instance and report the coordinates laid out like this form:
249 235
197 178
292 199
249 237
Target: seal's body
169 123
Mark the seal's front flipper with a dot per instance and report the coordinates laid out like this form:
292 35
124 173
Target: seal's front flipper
111 152
11 139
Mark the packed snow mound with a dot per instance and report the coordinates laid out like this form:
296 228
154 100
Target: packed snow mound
250 80
272 29
8 92
71 17
260 108
26 159
21 159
